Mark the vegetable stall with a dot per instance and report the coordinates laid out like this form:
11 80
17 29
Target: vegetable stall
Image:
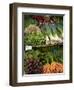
43 44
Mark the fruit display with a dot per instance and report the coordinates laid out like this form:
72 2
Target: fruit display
43 44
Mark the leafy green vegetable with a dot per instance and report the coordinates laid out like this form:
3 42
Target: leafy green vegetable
31 54
34 39
45 56
46 30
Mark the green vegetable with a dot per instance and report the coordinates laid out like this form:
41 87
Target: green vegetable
28 20
34 39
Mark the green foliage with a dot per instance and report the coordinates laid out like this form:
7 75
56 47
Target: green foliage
57 53
46 30
31 54
52 29
28 20
45 56
34 39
